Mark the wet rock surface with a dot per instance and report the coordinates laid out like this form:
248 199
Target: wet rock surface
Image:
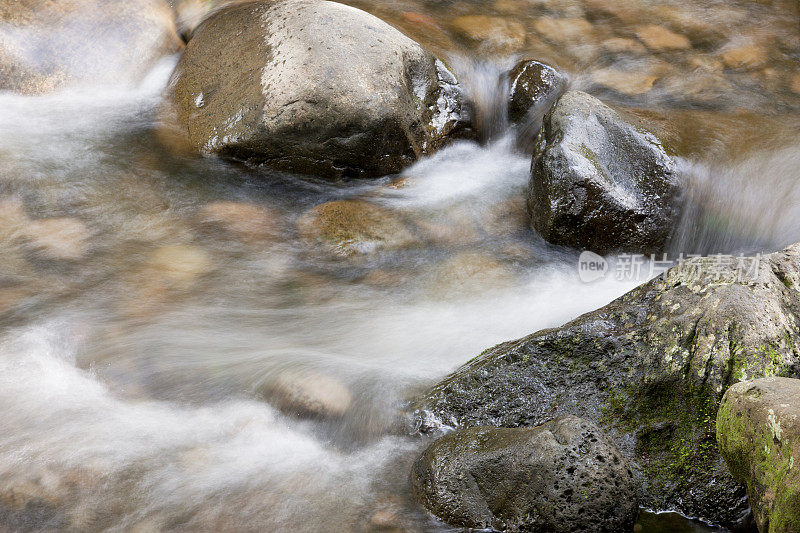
50 45
563 476
535 87
649 369
315 88
758 430
191 13
600 183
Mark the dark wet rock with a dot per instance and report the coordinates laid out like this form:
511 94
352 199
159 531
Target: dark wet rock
315 88
600 183
535 87
758 430
650 369
563 476
46 45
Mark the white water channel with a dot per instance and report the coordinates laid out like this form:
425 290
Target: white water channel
118 418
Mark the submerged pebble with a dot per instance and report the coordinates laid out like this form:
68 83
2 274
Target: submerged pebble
180 264
354 227
249 222
64 239
497 34
307 393
658 38
469 272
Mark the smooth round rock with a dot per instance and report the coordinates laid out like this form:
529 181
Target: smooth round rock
312 87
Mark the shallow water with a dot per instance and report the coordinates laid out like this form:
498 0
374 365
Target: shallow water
137 349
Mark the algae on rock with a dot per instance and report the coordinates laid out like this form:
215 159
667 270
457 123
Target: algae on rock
650 369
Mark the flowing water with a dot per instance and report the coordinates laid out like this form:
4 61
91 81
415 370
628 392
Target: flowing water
141 331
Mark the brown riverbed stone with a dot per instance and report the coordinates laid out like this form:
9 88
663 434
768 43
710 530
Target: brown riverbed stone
621 45
745 56
180 264
491 33
245 221
564 30
469 272
12 218
794 83
658 38
58 238
308 393
629 83
352 227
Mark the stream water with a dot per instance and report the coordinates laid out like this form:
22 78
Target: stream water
139 328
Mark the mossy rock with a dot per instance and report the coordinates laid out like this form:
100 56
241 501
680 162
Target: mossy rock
758 430
650 369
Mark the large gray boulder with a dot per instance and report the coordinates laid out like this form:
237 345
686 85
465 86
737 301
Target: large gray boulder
758 430
47 45
313 87
650 369
563 476
600 183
